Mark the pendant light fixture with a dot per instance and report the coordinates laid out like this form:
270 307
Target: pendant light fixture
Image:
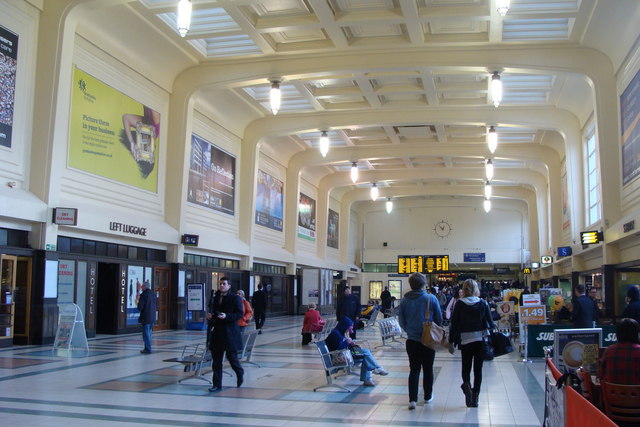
324 143
374 192
488 191
492 139
354 172
389 205
275 96
487 205
502 6
489 169
184 17
496 89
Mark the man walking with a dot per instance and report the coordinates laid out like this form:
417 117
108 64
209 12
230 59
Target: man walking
225 309
259 303
147 304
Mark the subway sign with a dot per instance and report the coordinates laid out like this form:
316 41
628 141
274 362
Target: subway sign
422 263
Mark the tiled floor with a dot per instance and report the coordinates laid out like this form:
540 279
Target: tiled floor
116 385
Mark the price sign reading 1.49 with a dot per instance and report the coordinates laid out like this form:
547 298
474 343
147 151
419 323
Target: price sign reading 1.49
533 314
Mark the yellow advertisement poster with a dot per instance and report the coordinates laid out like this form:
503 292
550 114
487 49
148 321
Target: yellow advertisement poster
112 135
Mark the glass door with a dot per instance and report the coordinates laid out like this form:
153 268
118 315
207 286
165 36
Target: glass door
7 290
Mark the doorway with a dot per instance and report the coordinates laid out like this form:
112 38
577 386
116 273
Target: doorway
107 299
161 288
23 301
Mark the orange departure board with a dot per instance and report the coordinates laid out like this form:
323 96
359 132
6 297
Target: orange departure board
422 263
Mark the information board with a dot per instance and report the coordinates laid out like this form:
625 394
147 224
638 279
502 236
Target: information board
195 297
422 263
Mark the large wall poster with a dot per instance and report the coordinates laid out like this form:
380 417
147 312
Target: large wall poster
112 135
630 118
269 201
8 70
566 213
332 229
307 217
136 276
211 176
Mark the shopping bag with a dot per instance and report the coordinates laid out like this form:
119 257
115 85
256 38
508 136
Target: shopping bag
501 344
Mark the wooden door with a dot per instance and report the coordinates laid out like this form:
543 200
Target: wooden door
161 289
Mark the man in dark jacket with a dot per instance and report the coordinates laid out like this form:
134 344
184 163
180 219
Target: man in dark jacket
385 298
259 304
349 306
147 304
632 310
585 310
225 309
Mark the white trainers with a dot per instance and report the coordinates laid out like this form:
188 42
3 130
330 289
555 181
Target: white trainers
380 371
369 383
412 406
429 400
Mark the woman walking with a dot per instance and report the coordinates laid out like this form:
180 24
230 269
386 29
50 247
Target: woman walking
411 315
469 323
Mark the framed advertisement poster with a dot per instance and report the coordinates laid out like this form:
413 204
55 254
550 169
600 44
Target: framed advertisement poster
332 229
395 288
9 67
573 348
307 217
211 176
269 201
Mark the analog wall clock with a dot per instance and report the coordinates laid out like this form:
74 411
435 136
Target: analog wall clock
442 228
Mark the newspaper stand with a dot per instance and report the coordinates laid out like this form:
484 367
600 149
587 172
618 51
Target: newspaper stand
71 336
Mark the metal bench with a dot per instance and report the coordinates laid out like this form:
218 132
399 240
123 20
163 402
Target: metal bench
389 331
332 366
326 329
193 357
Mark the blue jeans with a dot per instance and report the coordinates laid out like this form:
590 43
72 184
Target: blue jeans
368 365
146 335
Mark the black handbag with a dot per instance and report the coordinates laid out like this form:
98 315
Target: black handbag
487 350
356 352
501 344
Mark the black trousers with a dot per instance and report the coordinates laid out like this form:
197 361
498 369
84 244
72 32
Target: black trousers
216 365
259 316
472 354
420 359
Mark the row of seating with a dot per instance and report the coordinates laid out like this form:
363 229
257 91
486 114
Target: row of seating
197 357
620 402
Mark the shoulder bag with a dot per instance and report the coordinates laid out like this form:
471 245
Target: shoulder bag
433 335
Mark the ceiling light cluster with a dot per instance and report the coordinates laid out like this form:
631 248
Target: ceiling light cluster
502 6
496 89
184 17
275 96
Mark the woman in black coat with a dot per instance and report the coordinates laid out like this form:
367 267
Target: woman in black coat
469 323
225 309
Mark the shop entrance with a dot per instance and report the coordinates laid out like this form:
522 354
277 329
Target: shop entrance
23 301
107 298
161 288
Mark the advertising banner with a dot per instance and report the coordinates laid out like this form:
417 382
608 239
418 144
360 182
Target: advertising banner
135 276
269 201
195 297
8 70
573 348
211 176
630 117
112 135
307 217
543 335
333 229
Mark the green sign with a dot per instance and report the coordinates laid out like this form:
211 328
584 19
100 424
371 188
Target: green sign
542 336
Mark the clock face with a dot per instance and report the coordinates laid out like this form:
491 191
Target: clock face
442 228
